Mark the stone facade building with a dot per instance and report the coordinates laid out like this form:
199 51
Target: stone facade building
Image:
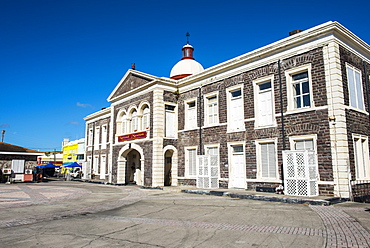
17 162
241 123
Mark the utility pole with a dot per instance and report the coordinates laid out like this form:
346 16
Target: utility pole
2 135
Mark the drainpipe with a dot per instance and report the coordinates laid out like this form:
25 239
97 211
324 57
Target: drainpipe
367 87
200 120
282 118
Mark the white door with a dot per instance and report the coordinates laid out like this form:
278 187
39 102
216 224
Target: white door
236 121
265 108
103 167
237 167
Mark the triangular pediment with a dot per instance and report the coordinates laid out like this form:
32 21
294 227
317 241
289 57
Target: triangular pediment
131 80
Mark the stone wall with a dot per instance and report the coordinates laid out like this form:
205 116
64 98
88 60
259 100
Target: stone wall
313 122
357 122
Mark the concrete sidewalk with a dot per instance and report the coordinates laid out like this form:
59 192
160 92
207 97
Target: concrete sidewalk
75 204
253 195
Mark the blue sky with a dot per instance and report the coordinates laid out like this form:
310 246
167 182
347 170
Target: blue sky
60 59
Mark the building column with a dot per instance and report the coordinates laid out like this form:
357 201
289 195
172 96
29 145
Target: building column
158 134
337 120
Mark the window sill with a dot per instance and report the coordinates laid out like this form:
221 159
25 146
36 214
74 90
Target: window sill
303 110
189 129
267 126
266 180
358 110
236 131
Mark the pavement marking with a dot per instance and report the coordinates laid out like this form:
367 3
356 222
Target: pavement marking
134 196
21 195
222 226
342 230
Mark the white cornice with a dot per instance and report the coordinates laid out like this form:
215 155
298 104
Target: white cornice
102 114
154 80
325 31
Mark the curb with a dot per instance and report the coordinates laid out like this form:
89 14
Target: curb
260 197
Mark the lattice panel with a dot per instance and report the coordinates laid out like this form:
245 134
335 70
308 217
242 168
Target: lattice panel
207 172
300 173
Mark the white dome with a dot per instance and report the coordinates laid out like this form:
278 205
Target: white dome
186 67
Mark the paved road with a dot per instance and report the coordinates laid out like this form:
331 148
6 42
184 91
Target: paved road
74 214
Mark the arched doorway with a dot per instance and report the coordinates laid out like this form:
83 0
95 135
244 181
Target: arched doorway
130 165
133 167
168 168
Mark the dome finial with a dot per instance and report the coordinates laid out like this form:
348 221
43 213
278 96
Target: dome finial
187 37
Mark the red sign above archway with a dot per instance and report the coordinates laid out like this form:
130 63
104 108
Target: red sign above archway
132 136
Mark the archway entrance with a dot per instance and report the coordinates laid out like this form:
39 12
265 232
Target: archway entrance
133 168
168 168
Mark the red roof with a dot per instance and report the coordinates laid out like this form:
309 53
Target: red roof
5 147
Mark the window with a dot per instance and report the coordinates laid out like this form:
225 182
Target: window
124 124
90 141
80 157
356 97
299 88
267 160
146 118
18 165
170 121
97 137
134 121
103 170
96 166
235 110
211 110
190 162
361 152
264 107
304 145
104 136
212 151
191 115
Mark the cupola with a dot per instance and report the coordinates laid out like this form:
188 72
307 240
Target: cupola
187 65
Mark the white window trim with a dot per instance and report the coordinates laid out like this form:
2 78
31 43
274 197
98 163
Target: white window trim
186 149
96 165
103 165
229 159
258 160
293 139
289 86
366 156
218 147
349 90
228 93
97 137
104 139
90 138
206 109
186 126
134 121
119 121
256 93
145 116
175 130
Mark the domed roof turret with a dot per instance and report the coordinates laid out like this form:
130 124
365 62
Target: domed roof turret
187 65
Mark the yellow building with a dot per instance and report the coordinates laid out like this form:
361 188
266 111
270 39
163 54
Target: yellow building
73 151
